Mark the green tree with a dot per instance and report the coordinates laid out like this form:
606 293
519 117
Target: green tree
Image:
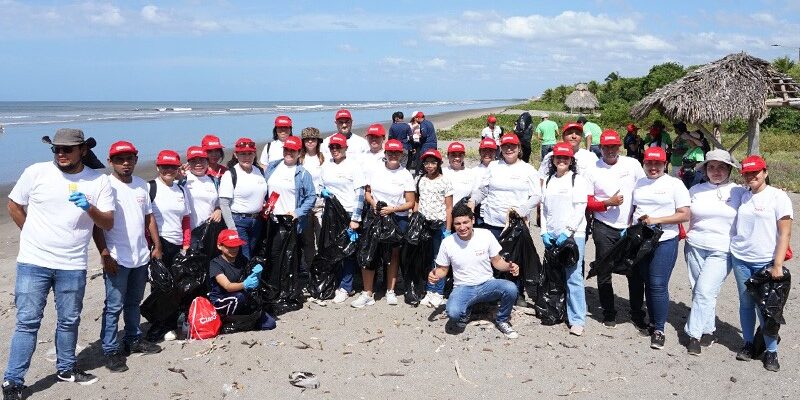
783 64
592 86
661 75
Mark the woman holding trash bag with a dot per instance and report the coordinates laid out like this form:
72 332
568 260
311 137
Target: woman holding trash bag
462 179
434 200
394 186
344 179
760 239
659 199
311 159
242 190
170 206
203 196
564 198
713 210
280 132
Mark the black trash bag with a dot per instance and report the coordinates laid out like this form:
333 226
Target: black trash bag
334 246
160 277
204 238
640 241
281 277
334 220
416 256
770 296
551 304
159 307
240 322
263 295
190 274
379 235
517 246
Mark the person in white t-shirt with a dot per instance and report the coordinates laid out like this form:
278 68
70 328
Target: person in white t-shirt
170 207
375 157
343 178
492 130
713 208
55 204
273 150
241 200
391 184
585 160
611 203
487 153
201 188
760 240
125 255
659 199
472 252
462 178
311 158
356 145
564 196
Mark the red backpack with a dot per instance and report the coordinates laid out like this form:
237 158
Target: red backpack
204 322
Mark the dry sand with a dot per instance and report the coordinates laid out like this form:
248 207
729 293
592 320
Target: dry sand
402 352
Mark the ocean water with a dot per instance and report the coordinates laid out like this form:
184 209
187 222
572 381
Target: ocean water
154 126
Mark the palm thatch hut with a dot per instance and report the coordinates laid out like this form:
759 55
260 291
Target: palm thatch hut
582 99
736 86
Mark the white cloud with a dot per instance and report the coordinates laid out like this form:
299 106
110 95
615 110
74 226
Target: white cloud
395 61
650 43
347 48
152 14
436 63
106 15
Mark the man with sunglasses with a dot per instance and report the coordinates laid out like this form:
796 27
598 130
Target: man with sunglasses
356 145
55 204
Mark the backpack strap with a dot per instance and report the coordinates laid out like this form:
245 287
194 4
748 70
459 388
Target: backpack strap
152 184
232 170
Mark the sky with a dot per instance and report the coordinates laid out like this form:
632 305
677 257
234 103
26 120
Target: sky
364 50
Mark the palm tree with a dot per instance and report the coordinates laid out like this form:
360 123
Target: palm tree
783 64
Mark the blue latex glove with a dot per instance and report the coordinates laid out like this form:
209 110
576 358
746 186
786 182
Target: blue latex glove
251 282
80 200
257 270
353 234
548 239
446 232
325 193
622 234
561 239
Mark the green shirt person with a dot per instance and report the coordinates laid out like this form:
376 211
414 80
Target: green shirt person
547 131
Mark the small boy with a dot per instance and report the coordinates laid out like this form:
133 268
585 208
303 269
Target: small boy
228 283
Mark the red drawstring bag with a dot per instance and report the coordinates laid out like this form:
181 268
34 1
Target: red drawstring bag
789 254
269 205
681 232
204 322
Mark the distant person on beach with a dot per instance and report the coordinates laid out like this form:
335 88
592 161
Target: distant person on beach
523 127
633 143
202 188
56 204
547 131
492 130
592 132
427 133
124 254
375 136
213 147
414 143
274 149
472 252
356 145
400 130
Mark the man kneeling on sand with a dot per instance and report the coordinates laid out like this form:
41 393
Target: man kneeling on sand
472 252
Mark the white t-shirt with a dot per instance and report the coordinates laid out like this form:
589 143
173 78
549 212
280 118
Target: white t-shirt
431 197
203 198
356 146
564 205
507 186
391 185
282 182
169 207
463 181
272 151
492 133
478 173
56 232
585 162
608 179
342 180
756 228
250 191
660 198
126 241
470 260
314 168
713 210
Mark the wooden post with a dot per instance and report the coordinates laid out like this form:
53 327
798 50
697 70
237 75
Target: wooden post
753 136
710 137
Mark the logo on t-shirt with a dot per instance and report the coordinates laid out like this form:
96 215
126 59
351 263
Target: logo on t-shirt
480 253
140 200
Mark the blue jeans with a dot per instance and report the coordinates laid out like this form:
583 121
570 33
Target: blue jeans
595 148
747 304
436 242
546 148
655 270
463 297
576 294
32 286
249 228
124 293
348 269
707 270
231 303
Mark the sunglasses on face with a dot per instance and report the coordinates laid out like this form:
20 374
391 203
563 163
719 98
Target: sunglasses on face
63 149
246 144
335 147
342 121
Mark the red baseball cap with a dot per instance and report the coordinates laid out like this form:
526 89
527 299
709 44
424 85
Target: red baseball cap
282 121
509 138
342 114
456 147
339 139
487 143
229 238
432 153
572 125
393 145
491 119
195 152
632 127
419 114
753 164
610 137
245 144
655 154
293 143
211 142
376 130
122 147
563 149
168 157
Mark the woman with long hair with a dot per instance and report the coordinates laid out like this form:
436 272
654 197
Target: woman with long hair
311 158
274 149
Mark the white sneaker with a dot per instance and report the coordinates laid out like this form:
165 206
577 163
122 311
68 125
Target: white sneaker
391 298
436 300
426 301
340 297
170 336
363 300
576 330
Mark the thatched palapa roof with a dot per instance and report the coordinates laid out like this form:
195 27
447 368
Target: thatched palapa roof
736 86
581 98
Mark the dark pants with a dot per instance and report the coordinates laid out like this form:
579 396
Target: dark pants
595 148
604 238
159 328
168 252
526 150
656 271
546 148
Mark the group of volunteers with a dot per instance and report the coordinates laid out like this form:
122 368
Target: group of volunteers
60 204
